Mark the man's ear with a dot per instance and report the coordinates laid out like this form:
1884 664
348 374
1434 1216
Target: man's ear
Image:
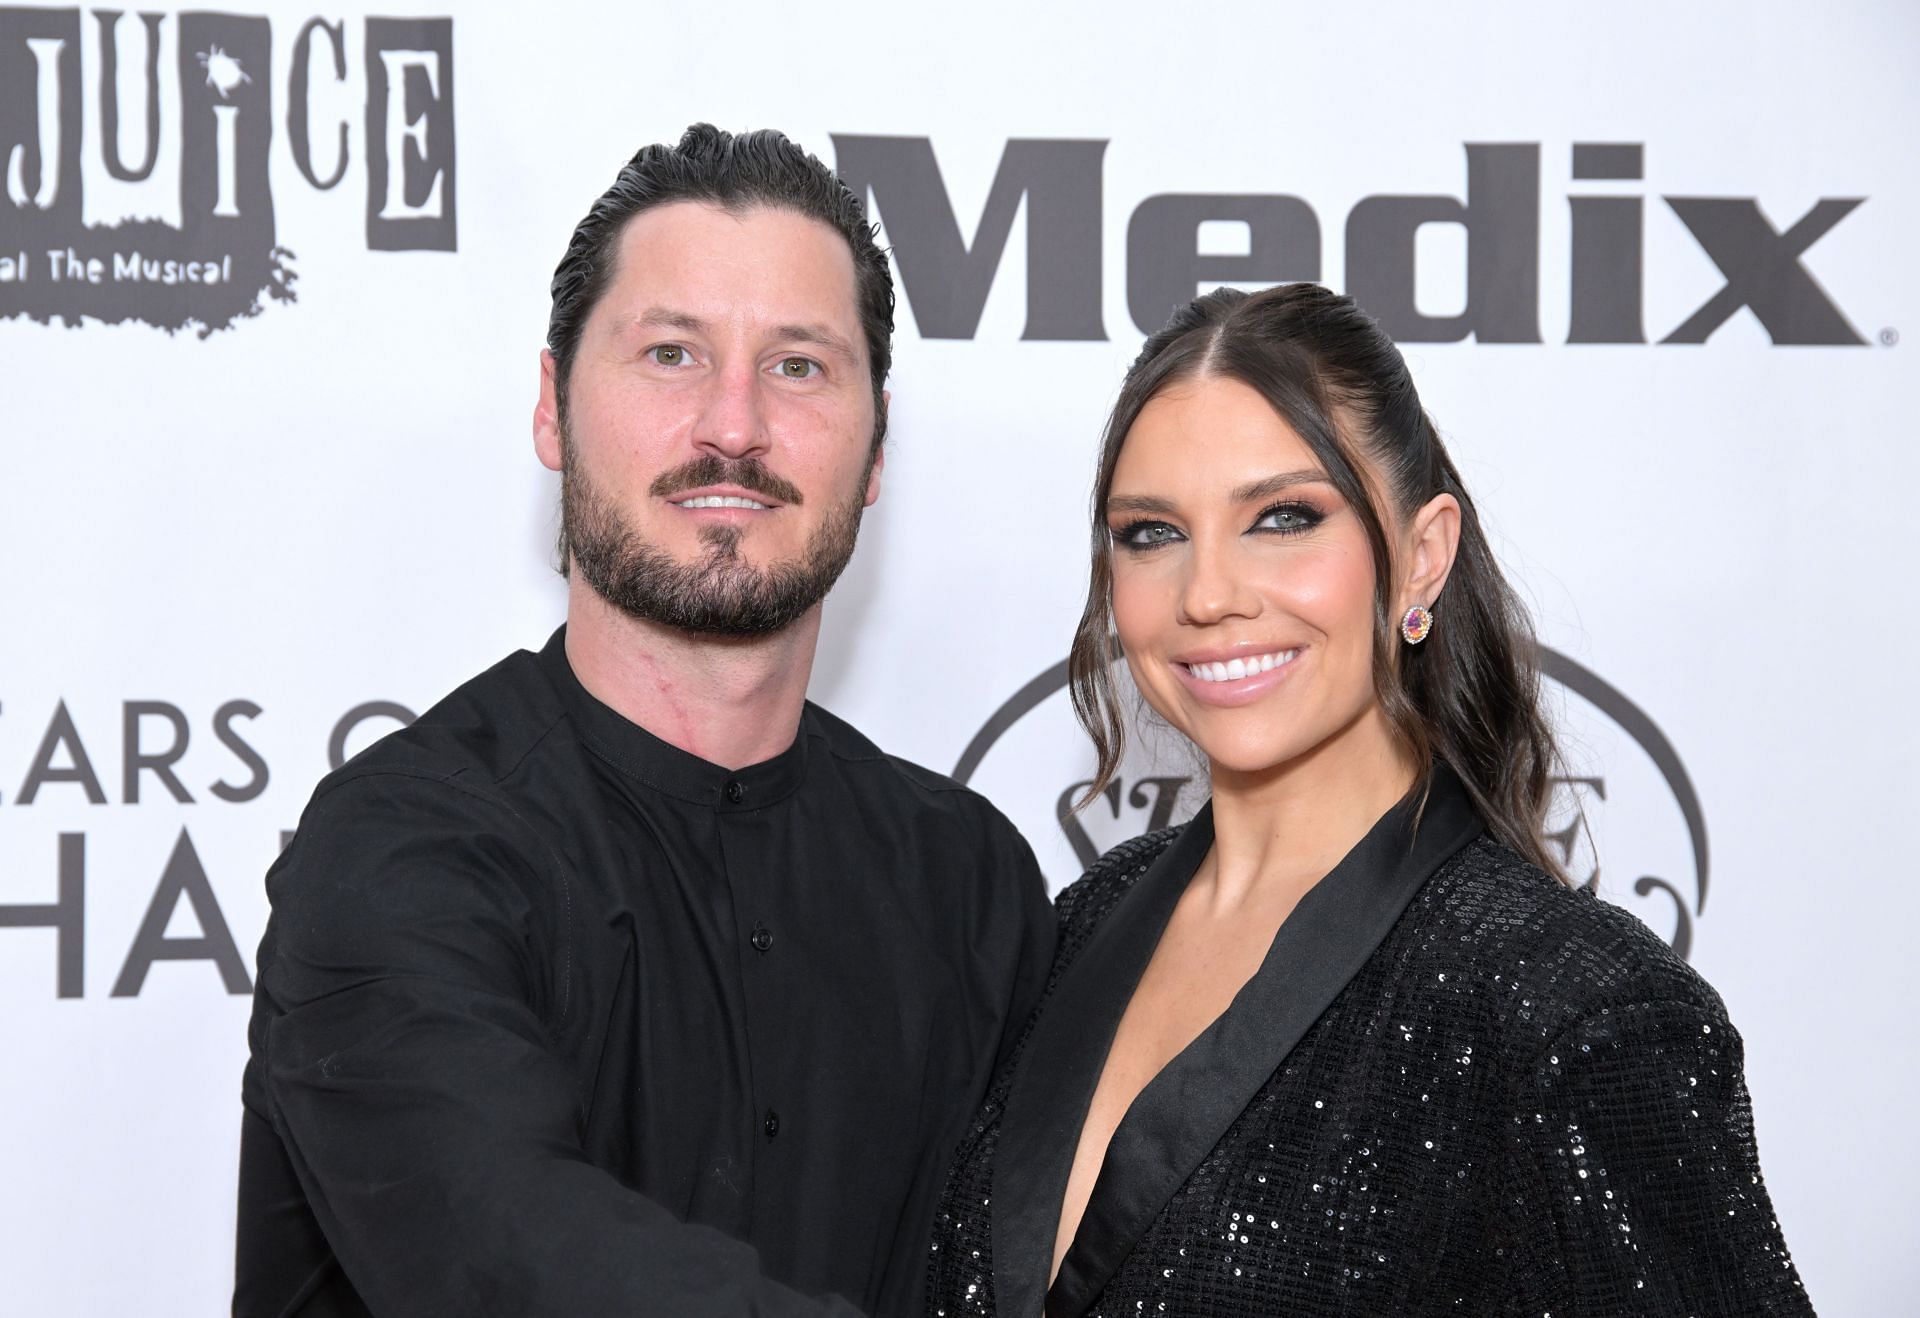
1432 540
546 415
880 454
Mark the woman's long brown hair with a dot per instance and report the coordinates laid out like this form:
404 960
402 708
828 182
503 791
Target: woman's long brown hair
1470 693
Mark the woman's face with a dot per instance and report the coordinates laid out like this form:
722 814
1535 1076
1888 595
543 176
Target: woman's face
1242 582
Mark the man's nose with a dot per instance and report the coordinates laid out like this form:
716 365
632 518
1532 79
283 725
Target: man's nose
733 421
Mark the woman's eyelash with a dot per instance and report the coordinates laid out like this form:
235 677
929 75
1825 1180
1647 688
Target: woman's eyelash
1133 535
1304 517
1148 534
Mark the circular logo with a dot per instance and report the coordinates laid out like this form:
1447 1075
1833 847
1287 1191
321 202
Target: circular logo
1625 818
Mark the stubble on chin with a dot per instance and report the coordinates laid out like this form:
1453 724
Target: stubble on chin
719 594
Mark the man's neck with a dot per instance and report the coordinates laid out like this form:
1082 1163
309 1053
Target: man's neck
732 701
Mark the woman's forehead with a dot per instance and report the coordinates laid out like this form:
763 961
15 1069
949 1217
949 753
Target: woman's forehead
1209 431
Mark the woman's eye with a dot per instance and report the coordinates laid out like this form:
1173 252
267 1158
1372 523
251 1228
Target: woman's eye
1288 517
799 368
668 354
1146 535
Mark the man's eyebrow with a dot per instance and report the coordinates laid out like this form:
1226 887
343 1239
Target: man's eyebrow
667 318
819 336
686 321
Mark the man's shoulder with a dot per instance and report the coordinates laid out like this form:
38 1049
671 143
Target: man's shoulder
477 734
854 750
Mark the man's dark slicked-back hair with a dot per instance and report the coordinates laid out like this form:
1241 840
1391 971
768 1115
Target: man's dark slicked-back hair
736 173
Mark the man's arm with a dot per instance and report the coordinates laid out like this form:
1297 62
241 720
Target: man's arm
417 949
1021 897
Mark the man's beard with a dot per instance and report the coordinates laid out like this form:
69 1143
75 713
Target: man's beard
720 594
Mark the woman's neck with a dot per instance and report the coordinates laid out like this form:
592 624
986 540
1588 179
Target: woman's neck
1285 827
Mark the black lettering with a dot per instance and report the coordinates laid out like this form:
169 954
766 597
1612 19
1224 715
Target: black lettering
1166 793
61 732
410 146
1577 826
1608 259
135 759
353 718
299 84
1157 796
1763 270
183 876
109 20
1682 939
39 162
223 729
226 127
1164 270
66 916
1083 846
945 279
1501 215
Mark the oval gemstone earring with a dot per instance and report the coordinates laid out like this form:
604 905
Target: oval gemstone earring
1415 624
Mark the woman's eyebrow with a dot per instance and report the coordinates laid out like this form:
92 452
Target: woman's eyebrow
1269 486
1138 503
1264 488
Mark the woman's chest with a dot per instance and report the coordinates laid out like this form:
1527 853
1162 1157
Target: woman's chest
1369 1174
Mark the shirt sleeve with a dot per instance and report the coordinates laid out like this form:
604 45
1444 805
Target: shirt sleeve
416 949
1037 933
1636 1135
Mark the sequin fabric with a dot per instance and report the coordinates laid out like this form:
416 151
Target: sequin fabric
1523 1104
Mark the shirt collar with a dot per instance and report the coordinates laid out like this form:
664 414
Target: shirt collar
665 768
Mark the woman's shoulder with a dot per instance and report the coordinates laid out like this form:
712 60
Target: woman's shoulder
1557 948
1085 902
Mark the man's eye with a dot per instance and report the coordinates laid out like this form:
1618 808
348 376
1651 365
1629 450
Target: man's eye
668 354
799 368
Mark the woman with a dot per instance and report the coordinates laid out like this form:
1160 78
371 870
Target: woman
1347 1042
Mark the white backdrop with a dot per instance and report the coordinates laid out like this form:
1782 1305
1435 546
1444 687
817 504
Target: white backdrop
335 502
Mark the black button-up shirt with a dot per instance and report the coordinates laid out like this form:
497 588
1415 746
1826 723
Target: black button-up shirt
552 1017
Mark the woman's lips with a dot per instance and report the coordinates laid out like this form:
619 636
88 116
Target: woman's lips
1237 680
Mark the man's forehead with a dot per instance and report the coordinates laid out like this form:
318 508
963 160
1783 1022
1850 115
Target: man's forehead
691 255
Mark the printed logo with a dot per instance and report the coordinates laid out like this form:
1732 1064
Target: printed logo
95 872
1625 818
223 261
1179 244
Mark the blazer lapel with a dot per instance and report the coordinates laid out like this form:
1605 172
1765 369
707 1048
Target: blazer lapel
1047 1105
1183 1111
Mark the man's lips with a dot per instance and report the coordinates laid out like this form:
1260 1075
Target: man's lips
713 497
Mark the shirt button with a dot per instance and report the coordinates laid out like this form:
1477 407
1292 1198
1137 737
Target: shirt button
735 792
762 938
772 1124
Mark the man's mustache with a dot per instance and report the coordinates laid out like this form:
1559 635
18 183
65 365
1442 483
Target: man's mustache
711 469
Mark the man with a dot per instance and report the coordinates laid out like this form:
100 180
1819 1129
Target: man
624 981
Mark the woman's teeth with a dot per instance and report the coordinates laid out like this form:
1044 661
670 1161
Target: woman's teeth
721 501
1235 669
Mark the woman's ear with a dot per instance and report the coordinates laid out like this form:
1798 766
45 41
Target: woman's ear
1432 539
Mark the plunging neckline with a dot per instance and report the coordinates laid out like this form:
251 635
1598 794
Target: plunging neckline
1178 1115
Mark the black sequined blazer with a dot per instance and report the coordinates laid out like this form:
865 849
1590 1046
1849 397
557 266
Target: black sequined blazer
1454 1087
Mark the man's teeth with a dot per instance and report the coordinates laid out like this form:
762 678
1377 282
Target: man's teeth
1235 669
721 501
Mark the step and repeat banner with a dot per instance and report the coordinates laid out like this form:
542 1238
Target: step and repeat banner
272 287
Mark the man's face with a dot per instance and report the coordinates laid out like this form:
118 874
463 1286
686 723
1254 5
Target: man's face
715 453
